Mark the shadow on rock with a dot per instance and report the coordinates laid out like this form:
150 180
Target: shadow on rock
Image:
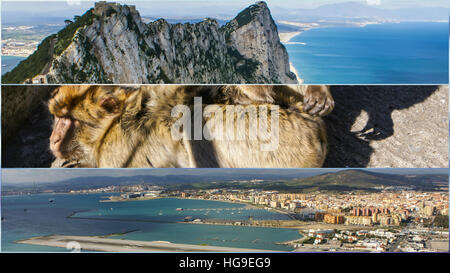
350 147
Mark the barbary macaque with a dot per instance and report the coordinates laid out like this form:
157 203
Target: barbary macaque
166 126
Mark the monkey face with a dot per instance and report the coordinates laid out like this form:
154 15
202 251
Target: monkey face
62 134
80 114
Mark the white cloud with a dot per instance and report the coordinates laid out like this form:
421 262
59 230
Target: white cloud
73 2
373 2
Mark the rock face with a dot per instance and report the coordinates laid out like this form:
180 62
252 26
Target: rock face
388 126
111 44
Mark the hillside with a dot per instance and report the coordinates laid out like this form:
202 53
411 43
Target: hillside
346 180
90 182
110 43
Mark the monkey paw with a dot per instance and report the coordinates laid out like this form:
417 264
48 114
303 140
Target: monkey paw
318 101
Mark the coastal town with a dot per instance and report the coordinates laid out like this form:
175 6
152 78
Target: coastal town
11 47
23 40
393 219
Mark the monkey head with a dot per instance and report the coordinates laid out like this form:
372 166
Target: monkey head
81 113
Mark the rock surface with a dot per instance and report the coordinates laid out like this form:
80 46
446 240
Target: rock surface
26 126
111 44
389 127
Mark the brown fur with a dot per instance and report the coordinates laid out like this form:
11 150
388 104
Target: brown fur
116 126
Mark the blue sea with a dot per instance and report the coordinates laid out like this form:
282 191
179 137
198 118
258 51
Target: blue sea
391 53
150 220
9 62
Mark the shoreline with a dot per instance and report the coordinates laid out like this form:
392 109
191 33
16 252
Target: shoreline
241 203
111 199
19 56
285 38
294 70
224 201
296 241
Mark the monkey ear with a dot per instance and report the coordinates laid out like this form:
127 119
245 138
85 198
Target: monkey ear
110 104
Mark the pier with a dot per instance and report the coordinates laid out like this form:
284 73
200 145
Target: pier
220 209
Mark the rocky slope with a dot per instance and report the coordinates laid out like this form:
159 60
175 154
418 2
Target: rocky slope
111 44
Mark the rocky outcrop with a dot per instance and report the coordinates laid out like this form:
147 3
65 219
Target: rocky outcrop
111 44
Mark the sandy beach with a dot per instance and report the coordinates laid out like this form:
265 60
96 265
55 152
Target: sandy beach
293 70
285 37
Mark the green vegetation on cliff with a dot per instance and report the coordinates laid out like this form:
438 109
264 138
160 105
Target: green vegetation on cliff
65 35
31 66
246 16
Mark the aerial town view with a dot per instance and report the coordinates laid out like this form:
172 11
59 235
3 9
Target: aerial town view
346 211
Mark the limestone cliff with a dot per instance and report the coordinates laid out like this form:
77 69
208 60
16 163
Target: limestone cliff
110 43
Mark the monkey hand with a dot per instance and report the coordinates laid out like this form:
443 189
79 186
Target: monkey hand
318 101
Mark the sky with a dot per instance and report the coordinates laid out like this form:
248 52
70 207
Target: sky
284 3
24 176
212 6
18 12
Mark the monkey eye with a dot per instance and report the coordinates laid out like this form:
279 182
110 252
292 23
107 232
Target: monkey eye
110 104
67 116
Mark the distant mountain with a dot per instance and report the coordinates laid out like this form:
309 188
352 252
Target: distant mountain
347 180
358 10
111 44
103 181
359 179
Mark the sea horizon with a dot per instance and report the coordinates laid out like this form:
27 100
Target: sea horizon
349 55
